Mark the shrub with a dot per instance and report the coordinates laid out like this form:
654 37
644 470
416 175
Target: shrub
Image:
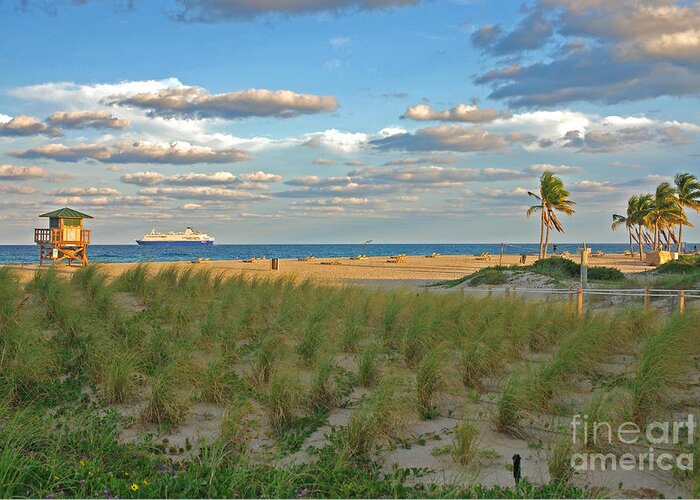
684 264
489 277
557 267
605 273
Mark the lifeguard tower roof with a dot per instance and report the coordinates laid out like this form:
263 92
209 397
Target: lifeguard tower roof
66 213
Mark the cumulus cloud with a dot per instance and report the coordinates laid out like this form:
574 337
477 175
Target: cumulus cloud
413 160
434 175
240 10
87 119
13 173
203 193
538 168
260 176
20 126
18 189
247 180
460 113
92 191
178 153
196 102
448 138
342 142
653 47
323 161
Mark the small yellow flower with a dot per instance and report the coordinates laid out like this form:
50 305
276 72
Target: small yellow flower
56 478
134 487
126 474
145 482
82 463
89 473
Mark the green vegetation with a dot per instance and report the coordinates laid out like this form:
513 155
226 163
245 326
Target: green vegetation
489 277
97 376
684 264
558 268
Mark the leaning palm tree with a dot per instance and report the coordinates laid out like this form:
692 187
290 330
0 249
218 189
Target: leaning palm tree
552 198
619 220
665 213
688 193
635 220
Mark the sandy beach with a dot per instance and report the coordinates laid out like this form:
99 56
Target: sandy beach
371 269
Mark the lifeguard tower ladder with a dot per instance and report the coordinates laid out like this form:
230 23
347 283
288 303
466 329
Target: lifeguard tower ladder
65 238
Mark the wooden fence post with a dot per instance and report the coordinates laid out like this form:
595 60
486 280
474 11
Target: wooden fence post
647 298
681 301
580 301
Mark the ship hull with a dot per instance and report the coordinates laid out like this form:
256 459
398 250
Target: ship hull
174 243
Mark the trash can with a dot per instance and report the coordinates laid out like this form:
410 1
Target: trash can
275 264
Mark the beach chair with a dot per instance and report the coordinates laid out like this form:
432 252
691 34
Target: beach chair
334 262
629 254
599 253
359 257
307 259
566 254
433 255
251 260
484 256
397 259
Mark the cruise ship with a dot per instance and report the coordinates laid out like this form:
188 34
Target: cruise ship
187 237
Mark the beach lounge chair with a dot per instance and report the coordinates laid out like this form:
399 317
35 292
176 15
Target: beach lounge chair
566 254
334 262
599 253
629 254
359 257
433 255
484 256
397 259
251 260
307 259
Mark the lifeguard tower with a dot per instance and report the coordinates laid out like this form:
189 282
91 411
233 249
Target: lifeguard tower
65 238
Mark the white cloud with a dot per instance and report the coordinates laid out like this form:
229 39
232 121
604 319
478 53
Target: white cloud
11 172
538 168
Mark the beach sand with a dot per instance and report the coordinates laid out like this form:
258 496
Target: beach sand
377 270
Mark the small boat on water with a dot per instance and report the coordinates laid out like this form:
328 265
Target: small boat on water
187 237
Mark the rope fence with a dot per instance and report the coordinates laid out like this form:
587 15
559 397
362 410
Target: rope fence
647 293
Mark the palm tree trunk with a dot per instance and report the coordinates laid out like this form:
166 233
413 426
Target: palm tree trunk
680 237
641 243
546 239
541 231
629 230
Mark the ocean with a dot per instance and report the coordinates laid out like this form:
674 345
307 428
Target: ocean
29 254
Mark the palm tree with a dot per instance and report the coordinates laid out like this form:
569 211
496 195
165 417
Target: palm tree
665 213
552 198
618 220
688 193
638 208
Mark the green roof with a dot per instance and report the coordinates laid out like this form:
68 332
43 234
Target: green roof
67 213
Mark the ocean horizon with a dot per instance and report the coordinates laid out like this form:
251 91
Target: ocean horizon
29 254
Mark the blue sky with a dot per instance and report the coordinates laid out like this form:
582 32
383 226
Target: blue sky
342 120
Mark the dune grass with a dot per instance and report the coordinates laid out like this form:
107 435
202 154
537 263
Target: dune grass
278 356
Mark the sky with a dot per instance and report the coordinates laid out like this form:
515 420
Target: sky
339 121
